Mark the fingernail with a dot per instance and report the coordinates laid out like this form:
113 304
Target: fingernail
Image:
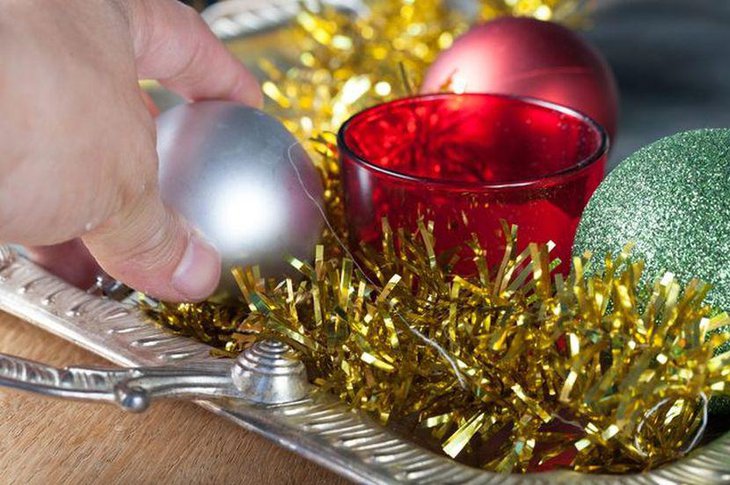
198 272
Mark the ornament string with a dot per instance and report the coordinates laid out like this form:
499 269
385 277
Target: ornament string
331 228
703 425
320 209
697 437
514 355
515 340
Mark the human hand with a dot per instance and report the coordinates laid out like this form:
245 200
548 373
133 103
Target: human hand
79 156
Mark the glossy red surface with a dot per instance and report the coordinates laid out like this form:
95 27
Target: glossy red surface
526 57
473 157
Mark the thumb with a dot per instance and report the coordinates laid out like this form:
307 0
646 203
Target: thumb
152 249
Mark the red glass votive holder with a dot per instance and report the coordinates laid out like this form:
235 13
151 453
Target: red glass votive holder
479 158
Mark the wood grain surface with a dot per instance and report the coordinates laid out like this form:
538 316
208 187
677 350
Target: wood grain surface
49 441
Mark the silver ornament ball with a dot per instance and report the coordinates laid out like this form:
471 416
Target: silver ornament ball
239 177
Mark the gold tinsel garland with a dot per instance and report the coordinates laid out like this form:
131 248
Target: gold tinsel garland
347 62
511 370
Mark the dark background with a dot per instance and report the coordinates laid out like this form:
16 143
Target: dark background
672 62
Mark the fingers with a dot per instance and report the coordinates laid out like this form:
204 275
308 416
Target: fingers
153 250
70 261
173 45
144 244
84 163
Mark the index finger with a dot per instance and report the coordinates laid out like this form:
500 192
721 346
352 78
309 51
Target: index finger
174 46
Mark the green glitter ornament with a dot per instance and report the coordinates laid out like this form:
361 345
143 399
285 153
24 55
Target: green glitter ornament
672 199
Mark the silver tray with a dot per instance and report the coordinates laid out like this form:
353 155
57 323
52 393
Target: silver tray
318 427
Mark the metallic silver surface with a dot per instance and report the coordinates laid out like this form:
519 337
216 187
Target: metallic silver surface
103 326
244 181
131 388
317 426
107 286
267 373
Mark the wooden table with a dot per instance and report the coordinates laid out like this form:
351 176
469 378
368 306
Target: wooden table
52 441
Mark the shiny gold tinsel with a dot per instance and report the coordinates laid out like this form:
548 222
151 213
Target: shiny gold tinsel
346 62
511 370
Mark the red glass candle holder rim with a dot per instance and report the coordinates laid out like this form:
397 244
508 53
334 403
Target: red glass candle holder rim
550 179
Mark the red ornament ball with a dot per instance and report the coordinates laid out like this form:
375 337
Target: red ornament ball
527 57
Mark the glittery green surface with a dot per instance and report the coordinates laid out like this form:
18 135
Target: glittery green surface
672 199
